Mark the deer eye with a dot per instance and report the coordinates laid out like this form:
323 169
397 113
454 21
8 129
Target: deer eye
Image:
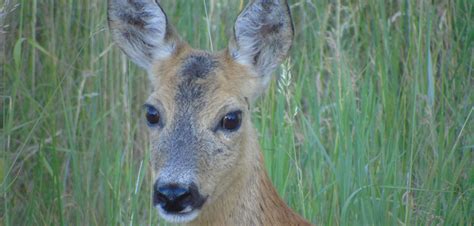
231 121
152 115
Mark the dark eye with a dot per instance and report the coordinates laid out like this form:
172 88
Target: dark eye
152 115
232 121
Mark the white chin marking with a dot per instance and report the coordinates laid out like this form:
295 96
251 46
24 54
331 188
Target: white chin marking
184 216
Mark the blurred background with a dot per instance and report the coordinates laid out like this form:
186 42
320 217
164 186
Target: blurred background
369 122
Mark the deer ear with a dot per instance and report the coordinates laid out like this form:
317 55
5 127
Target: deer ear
263 33
141 29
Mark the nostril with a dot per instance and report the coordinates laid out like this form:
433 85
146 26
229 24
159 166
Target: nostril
159 197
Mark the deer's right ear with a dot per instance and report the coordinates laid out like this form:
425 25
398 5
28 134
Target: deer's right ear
141 30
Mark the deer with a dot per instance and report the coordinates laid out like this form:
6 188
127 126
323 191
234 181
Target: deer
206 161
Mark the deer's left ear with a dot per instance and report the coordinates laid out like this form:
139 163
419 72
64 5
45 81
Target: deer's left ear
263 33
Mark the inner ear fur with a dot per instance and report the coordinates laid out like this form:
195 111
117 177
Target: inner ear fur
141 29
263 33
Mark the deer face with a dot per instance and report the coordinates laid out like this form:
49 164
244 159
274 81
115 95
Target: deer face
197 117
198 112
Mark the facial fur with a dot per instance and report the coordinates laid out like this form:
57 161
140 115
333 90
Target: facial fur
189 146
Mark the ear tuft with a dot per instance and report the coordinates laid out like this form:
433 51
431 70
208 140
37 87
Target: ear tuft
263 34
140 28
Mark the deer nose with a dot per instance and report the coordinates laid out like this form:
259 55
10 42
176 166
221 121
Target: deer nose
174 198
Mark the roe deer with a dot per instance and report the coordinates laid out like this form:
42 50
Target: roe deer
205 155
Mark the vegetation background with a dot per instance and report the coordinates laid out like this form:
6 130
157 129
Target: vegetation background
370 121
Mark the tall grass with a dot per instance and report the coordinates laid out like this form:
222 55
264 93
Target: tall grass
370 121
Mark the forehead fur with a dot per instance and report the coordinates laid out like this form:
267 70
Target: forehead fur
195 77
198 65
199 77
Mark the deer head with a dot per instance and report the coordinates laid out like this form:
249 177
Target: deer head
198 112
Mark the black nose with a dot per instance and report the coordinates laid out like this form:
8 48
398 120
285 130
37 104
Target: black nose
174 198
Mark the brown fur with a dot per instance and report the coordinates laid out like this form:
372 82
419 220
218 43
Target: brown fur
250 198
193 90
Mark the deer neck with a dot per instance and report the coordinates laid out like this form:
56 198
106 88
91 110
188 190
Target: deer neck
251 199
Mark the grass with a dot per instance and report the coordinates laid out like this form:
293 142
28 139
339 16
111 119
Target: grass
370 123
